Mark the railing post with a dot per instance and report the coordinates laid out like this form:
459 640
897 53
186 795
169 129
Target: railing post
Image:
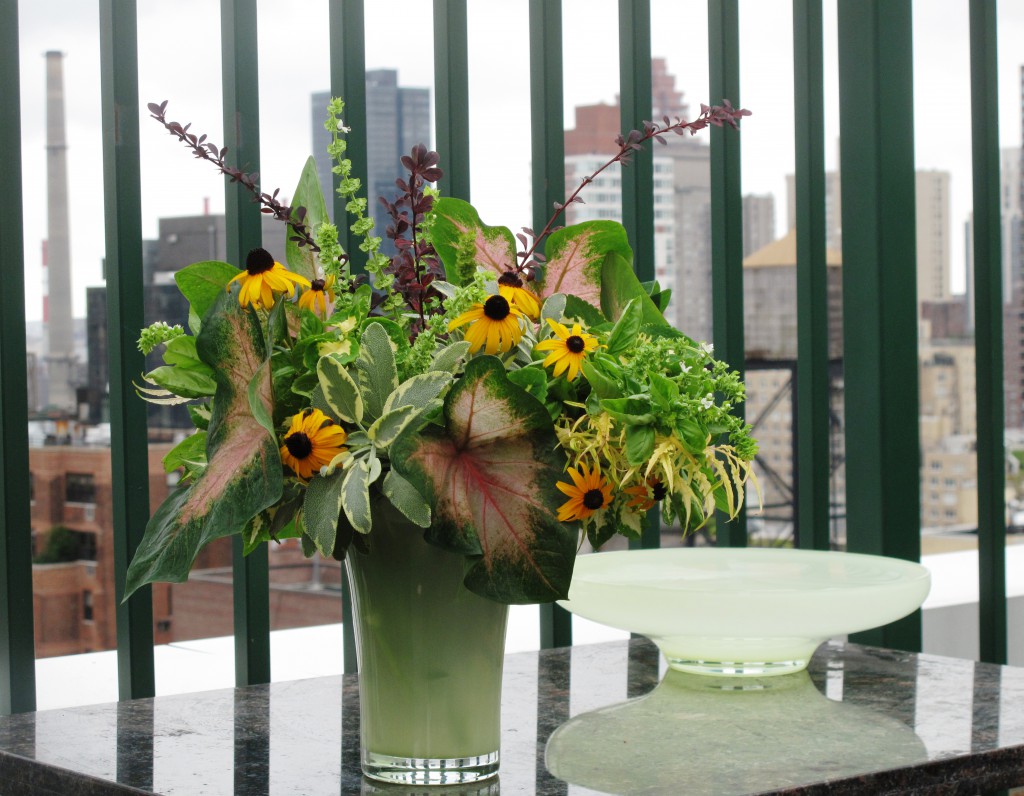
17 646
876 91
548 147
128 437
243 227
451 95
812 373
988 334
348 81
726 219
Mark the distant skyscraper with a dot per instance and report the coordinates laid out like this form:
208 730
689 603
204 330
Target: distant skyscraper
933 228
933 236
758 222
682 198
397 119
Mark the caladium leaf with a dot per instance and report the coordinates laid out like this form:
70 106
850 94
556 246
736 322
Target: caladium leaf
575 256
243 473
309 195
463 241
490 476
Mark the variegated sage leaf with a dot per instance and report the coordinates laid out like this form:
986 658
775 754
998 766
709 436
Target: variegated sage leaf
419 390
451 357
388 426
355 496
320 510
339 389
376 368
406 499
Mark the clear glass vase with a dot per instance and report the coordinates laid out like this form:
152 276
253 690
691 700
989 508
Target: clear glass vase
430 660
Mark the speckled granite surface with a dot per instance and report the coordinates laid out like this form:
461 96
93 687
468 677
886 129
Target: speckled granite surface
603 718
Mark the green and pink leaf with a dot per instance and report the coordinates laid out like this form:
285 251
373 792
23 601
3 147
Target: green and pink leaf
462 240
575 257
490 477
243 474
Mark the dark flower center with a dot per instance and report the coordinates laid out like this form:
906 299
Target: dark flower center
496 308
298 445
510 279
318 284
593 499
575 343
659 491
258 261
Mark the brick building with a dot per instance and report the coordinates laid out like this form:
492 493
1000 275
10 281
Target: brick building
73 600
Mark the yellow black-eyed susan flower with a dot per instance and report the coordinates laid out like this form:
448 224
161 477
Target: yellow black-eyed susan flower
510 285
568 348
588 492
318 298
645 495
312 441
262 278
496 323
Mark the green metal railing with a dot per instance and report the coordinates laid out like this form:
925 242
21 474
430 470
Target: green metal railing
129 458
17 651
875 48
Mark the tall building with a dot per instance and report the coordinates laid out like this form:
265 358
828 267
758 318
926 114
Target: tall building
933 228
682 198
933 236
397 118
758 222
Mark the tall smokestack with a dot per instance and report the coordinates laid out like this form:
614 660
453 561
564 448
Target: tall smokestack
60 342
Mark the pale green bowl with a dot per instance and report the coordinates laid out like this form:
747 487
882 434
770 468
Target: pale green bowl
743 611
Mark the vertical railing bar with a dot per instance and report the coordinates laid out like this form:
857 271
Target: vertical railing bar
548 149
880 290
17 647
348 81
129 457
451 95
243 225
726 217
812 377
988 335
635 107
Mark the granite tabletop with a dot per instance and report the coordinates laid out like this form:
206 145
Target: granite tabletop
602 718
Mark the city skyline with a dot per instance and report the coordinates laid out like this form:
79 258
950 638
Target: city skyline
498 118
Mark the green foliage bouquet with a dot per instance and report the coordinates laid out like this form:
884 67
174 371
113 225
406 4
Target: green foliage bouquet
501 399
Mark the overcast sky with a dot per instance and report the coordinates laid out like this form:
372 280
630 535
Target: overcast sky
180 61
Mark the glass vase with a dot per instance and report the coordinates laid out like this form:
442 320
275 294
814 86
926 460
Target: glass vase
430 660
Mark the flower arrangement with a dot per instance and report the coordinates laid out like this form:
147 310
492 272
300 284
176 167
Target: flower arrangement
501 399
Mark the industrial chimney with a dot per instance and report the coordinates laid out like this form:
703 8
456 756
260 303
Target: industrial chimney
57 274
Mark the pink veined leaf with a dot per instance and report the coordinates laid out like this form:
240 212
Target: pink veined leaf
243 475
494 248
575 255
490 476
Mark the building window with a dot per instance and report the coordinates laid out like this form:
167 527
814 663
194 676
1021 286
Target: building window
86 545
79 488
87 605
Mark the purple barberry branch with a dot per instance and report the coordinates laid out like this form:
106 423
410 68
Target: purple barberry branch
206 150
715 115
